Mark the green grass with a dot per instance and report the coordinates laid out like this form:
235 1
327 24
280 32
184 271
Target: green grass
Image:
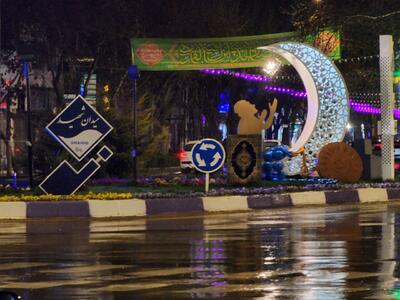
12 192
173 188
182 188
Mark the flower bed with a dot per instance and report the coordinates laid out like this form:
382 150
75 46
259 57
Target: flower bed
278 189
184 187
77 197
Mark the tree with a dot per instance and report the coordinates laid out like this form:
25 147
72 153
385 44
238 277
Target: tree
10 90
360 23
359 31
63 34
185 96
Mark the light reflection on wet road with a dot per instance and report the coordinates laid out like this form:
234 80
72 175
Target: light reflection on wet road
337 252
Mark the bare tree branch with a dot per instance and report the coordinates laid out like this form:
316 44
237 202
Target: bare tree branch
121 82
397 12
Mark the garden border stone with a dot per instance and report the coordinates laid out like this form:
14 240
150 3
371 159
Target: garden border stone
179 205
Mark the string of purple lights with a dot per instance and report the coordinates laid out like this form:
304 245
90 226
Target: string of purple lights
358 107
236 74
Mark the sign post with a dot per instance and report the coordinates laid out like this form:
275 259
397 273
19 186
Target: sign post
133 73
207 183
208 155
29 141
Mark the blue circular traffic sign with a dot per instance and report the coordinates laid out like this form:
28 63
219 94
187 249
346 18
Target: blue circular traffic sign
208 155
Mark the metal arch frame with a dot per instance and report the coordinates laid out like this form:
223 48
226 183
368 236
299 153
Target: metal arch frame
327 100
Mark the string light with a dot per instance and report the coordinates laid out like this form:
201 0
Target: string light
287 91
248 76
236 74
369 109
357 59
360 106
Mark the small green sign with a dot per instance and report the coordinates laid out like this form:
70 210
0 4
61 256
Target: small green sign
327 41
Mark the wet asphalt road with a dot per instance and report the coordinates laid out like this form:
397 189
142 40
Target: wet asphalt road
337 252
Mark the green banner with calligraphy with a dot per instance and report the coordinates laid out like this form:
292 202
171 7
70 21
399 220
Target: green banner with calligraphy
195 54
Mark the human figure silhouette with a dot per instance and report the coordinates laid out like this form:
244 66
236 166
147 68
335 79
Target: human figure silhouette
251 120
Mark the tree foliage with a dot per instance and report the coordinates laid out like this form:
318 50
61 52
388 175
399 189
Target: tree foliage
360 23
62 33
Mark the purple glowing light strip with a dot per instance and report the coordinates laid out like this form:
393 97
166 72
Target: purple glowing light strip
355 106
287 91
245 76
369 109
359 107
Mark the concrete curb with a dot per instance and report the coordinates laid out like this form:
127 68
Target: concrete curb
140 207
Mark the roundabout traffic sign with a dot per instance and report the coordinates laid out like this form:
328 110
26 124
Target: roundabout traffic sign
208 155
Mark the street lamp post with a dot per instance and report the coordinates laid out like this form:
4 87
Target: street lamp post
29 142
133 73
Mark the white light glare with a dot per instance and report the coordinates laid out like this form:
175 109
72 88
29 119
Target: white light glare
272 66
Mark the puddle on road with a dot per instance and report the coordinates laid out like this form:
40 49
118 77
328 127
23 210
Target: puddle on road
339 252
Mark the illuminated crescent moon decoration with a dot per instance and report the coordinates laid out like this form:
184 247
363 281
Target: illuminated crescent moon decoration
327 100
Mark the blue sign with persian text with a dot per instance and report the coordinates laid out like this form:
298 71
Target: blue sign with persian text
79 128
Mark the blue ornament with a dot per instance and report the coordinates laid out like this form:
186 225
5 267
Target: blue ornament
277 166
266 167
268 155
273 166
278 154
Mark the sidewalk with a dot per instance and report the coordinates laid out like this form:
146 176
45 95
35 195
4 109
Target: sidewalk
231 203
